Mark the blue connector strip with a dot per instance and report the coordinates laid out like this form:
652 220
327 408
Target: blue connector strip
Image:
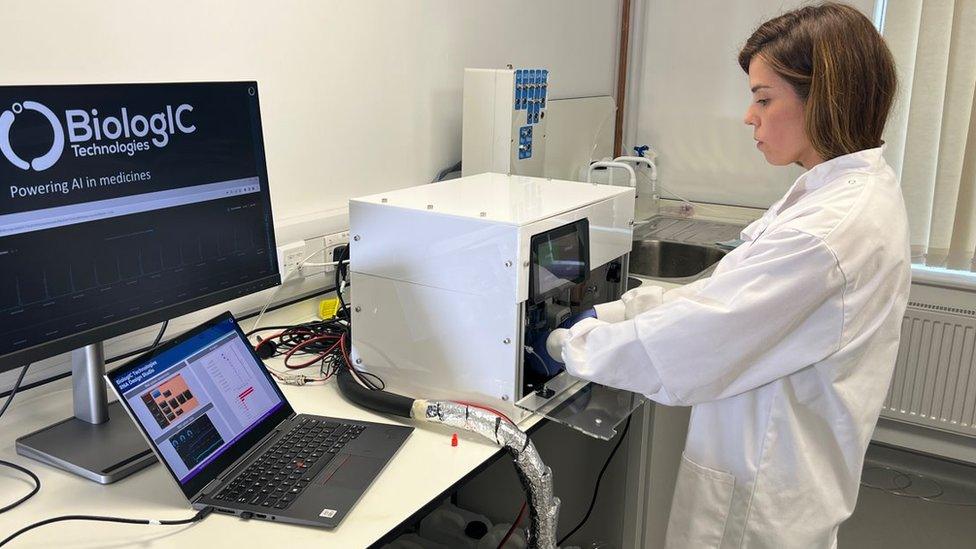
531 93
525 142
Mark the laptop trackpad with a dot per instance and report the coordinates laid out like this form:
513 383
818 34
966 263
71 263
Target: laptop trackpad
350 471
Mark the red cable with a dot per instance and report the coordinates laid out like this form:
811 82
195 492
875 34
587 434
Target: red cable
485 408
279 335
303 344
345 355
515 524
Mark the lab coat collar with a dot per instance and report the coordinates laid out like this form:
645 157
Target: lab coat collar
868 160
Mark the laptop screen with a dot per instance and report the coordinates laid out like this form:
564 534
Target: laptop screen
197 397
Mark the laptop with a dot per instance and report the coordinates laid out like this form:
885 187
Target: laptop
211 412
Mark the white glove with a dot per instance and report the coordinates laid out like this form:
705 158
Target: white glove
554 343
631 304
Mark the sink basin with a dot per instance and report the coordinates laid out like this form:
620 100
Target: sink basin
672 260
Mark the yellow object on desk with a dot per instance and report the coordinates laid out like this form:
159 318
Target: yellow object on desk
328 308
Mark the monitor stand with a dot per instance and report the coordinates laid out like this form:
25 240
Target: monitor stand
100 442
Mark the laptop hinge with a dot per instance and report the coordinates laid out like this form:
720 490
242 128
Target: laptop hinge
206 489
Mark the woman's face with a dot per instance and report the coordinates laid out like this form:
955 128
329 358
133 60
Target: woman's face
776 116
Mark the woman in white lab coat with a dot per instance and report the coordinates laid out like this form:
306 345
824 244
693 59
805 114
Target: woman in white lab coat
785 353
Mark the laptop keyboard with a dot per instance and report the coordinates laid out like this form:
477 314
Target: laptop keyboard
280 475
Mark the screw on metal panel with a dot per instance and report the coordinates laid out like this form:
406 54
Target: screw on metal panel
525 263
506 341
430 206
598 421
505 397
508 263
356 238
358 308
359 361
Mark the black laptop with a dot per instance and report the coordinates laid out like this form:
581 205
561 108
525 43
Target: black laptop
215 418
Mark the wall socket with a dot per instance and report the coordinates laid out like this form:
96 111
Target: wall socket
332 242
290 255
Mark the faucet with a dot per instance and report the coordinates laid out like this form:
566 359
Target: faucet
610 165
650 164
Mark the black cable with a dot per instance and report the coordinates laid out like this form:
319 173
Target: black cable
40 383
339 275
37 481
10 394
159 336
599 478
28 472
201 514
443 173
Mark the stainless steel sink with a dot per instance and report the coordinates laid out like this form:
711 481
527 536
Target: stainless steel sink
673 261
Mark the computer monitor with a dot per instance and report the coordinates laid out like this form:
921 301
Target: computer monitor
122 205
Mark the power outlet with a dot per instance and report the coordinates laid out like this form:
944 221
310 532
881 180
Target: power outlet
332 242
289 256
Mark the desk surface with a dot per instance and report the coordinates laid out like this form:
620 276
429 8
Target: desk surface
423 470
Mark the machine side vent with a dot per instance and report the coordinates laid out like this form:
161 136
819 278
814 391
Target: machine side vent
934 382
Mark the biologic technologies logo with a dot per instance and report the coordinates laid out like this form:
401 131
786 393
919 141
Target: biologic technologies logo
92 135
44 161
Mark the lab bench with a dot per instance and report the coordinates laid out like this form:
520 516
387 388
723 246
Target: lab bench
427 470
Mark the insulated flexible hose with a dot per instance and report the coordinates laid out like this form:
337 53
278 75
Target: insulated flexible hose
535 476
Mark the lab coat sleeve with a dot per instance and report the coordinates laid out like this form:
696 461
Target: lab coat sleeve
640 300
779 309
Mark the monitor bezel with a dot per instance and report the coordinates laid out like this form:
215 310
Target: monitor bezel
97 334
193 487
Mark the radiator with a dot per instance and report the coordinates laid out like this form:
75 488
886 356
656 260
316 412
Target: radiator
934 382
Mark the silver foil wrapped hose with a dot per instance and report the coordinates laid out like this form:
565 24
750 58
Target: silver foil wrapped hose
535 476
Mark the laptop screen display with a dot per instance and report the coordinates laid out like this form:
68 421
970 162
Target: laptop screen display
196 398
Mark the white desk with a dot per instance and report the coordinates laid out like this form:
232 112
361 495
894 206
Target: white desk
424 469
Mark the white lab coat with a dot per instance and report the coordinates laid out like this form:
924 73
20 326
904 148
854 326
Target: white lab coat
785 354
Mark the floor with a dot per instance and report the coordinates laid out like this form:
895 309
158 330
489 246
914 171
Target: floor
884 520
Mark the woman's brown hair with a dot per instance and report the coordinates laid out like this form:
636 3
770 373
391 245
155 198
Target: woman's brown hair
840 67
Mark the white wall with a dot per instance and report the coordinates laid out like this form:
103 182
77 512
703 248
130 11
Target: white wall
357 97
692 96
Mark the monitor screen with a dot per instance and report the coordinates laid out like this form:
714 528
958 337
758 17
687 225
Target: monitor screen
198 397
560 258
124 205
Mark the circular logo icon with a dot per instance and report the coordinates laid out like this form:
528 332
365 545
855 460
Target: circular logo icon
44 161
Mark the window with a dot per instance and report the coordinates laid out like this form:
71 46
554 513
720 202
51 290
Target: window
931 133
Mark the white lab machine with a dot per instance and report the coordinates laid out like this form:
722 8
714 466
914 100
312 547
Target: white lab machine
504 128
453 284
